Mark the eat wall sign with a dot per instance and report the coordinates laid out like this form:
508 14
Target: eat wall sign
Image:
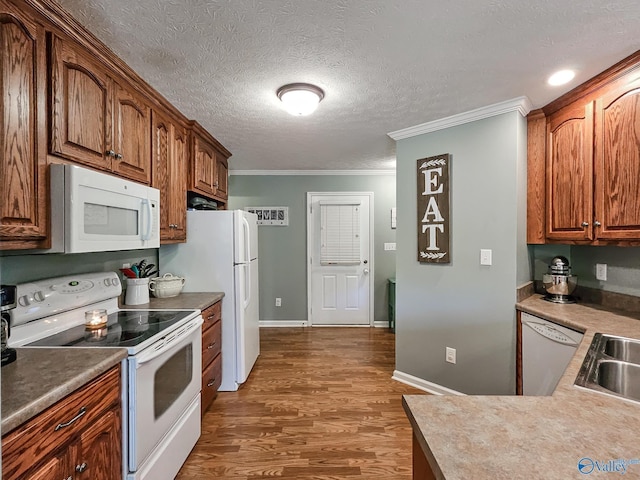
433 209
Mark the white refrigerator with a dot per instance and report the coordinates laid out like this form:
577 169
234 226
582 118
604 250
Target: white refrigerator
221 255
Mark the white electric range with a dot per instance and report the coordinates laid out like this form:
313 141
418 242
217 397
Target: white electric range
161 394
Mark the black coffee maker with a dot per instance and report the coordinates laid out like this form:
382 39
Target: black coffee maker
7 302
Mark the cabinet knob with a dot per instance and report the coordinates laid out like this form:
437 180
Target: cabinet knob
110 153
596 223
68 478
82 467
585 224
119 156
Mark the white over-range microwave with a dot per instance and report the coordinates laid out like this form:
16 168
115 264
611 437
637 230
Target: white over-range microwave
95 212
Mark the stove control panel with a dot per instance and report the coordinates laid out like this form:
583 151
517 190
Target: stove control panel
50 296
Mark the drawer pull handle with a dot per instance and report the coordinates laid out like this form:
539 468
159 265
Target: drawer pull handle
211 382
211 317
211 345
80 414
82 467
69 478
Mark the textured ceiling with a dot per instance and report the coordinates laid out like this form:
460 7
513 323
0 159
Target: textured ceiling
384 64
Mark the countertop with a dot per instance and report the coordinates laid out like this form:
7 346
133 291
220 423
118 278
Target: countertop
42 376
513 437
184 300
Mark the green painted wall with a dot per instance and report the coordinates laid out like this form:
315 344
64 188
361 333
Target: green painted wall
283 250
465 305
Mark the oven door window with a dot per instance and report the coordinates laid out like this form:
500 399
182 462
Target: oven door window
171 380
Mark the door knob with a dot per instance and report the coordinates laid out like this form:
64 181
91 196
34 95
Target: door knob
365 271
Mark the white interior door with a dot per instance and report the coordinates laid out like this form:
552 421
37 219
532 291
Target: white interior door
340 265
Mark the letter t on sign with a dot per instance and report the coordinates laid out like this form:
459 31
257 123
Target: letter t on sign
433 209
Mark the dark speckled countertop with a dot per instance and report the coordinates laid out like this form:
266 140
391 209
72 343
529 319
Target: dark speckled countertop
184 300
42 376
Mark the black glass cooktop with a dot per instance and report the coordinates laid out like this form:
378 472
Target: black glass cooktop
125 328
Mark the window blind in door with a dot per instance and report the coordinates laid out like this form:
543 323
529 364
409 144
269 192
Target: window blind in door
340 234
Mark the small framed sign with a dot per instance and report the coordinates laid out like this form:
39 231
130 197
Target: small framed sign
276 216
433 209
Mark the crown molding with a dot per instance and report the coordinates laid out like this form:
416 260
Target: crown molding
312 172
522 105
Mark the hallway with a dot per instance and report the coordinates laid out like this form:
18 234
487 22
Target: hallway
319 404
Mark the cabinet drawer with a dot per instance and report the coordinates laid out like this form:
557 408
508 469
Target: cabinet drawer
211 315
211 343
42 435
211 379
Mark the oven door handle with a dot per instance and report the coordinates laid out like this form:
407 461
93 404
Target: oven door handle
168 342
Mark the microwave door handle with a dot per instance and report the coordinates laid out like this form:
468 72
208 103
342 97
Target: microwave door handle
147 234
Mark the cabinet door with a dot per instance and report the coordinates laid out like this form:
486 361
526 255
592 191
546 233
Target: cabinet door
99 454
131 134
222 175
203 168
570 174
161 148
617 160
178 196
80 106
23 162
56 467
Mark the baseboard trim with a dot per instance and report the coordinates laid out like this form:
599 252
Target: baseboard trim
424 385
283 323
381 324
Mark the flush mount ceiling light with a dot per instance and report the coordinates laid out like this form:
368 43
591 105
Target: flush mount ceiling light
561 77
300 98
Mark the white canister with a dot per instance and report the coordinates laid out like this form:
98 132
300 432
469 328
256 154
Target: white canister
137 291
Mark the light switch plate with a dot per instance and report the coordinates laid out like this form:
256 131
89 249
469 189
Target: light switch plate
390 246
485 256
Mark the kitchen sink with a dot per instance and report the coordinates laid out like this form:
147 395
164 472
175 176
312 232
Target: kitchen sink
612 367
620 377
623 349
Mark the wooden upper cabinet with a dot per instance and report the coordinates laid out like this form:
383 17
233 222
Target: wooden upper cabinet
96 118
80 106
170 159
222 177
131 126
208 173
592 162
570 173
23 161
617 161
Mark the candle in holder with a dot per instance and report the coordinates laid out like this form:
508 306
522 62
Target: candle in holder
94 319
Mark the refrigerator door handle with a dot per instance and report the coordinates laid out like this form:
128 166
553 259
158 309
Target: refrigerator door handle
247 240
247 285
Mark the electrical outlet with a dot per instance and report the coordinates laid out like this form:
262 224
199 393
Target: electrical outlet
450 355
278 302
390 246
485 256
601 272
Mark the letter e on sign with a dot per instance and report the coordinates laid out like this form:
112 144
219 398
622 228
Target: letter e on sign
433 209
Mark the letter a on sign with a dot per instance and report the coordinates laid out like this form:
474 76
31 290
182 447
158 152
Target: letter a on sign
433 209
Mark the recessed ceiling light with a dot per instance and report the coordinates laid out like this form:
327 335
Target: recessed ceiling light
561 77
300 98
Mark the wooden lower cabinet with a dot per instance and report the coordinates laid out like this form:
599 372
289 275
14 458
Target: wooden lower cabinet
80 437
211 354
421 468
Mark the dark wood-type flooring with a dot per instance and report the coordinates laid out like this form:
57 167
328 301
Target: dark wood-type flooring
319 404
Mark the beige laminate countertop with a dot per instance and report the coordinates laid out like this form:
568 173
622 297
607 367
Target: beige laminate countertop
42 376
515 437
184 300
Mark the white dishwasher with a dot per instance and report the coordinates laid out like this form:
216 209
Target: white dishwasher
547 349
